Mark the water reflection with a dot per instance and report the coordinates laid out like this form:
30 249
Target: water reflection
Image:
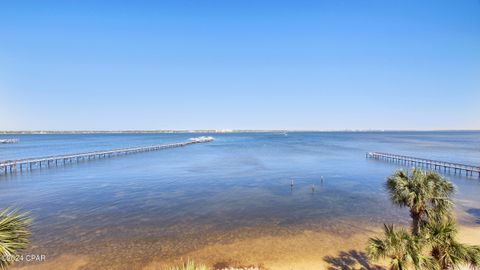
170 203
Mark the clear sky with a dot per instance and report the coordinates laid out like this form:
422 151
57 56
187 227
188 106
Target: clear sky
240 64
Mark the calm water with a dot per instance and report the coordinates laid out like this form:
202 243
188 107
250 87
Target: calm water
169 202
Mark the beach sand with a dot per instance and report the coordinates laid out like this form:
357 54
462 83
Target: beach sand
308 249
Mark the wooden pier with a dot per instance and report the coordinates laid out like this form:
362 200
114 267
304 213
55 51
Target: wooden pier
13 166
446 167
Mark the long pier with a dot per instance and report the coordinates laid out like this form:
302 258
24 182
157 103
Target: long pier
13 166
446 167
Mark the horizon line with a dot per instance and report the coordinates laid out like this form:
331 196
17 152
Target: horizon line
221 131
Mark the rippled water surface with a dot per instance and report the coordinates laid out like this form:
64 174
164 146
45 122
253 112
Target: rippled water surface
168 202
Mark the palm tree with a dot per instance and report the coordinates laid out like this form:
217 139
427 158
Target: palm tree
403 250
447 251
14 232
424 193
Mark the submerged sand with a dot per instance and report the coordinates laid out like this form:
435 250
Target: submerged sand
342 248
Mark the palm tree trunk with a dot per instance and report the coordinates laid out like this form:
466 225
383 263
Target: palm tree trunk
415 223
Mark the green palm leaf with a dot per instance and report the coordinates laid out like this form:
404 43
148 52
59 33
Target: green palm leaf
403 250
449 253
426 194
14 232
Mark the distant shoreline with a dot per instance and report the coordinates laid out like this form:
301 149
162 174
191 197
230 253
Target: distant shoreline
39 132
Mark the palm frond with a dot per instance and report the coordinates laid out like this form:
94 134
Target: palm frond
426 194
14 233
403 249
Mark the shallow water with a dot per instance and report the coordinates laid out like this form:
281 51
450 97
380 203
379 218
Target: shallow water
171 202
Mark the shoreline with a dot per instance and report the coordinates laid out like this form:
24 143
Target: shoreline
232 206
300 251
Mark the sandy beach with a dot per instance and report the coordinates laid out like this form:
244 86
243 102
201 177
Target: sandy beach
300 251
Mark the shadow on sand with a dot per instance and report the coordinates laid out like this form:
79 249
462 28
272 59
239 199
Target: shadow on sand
351 260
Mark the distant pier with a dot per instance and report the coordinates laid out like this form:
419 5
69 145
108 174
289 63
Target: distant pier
446 167
12 166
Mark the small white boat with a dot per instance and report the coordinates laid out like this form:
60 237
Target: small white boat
202 139
4 141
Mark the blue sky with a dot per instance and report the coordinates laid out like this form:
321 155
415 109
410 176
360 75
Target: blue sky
239 64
